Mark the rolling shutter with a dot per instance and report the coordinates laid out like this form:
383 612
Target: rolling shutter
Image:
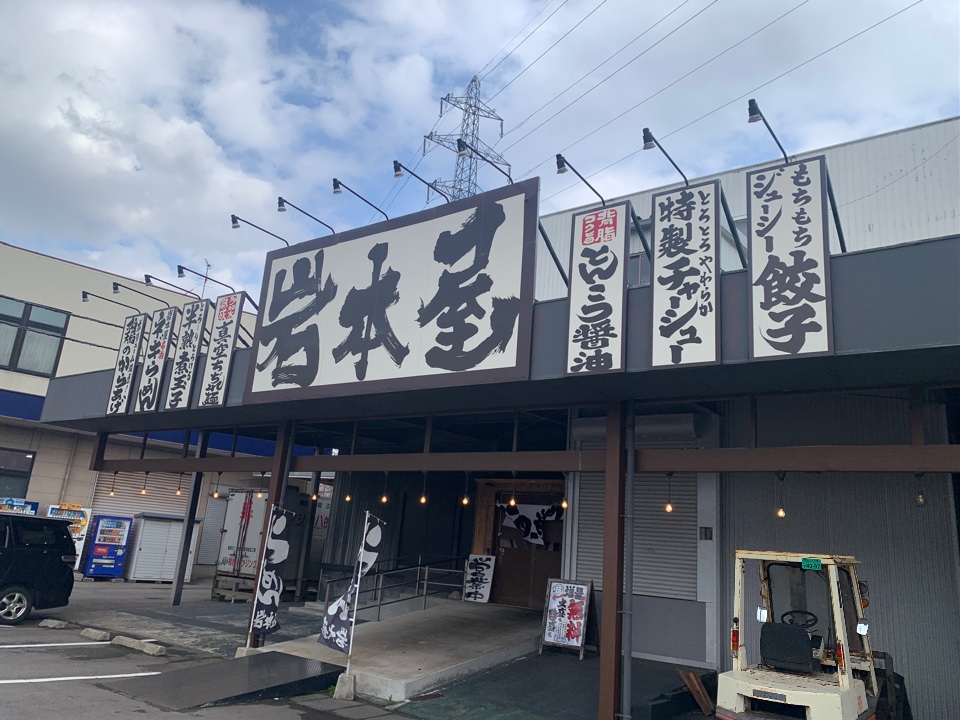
127 501
665 544
209 551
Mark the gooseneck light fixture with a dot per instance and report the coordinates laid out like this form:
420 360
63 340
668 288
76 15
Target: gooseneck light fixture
755 115
650 142
151 279
86 295
399 167
282 207
464 149
183 269
235 221
563 165
116 291
339 187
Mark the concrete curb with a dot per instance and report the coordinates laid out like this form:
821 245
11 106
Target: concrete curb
92 634
53 624
139 645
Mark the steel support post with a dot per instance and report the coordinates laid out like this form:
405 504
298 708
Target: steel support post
189 522
611 620
626 692
278 476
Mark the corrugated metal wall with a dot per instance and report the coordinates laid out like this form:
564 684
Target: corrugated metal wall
909 554
895 188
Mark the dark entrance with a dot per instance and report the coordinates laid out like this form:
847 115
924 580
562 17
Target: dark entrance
528 548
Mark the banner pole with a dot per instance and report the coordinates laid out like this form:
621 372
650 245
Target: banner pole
356 596
263 564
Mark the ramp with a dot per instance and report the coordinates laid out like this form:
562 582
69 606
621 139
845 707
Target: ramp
405 656
241 679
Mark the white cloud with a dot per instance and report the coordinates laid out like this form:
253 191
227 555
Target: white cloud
131 131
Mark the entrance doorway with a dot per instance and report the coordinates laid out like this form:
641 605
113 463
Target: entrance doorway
526 538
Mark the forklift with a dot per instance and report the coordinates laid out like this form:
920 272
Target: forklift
816 661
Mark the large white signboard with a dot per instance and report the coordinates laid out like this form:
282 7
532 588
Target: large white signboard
599 256
188 351
223 338
159 347
127 357
789 260
686 265
439 298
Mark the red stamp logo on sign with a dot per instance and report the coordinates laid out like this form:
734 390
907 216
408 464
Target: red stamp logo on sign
599 227
227 309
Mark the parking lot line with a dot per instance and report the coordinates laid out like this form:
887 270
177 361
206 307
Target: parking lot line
78 677
47 645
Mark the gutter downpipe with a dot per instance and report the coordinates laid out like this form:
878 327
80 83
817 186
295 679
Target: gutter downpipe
626 685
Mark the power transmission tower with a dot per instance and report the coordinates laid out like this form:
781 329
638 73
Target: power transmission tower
464 183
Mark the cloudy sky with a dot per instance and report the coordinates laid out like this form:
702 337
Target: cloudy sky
130 131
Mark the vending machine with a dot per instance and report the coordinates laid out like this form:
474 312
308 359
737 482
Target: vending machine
106 548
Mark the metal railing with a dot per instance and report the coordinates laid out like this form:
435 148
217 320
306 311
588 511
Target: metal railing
422 585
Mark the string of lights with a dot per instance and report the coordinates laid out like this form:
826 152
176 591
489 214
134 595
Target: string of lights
745 94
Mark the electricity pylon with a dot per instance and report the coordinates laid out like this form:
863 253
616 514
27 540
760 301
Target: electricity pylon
464 182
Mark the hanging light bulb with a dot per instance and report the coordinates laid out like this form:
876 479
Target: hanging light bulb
347 498
669 506
179 483
423 493
216 492
384 498
921 498
513 501
781 513
466 481
466 500
143 490
259 494
563 503
314 497
113 484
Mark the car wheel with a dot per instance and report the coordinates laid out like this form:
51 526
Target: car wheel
15 605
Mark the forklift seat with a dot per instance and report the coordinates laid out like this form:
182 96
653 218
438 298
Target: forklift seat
786 647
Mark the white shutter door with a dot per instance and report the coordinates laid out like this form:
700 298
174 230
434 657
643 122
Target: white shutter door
665 544
172 548
151 550
212 525
127 499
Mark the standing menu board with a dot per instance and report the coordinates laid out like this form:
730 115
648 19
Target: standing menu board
565 614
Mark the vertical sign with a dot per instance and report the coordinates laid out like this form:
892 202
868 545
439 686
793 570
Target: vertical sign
790 310
599 255
478 578
266 607
126 364
216 372
158 348
188 352
686 238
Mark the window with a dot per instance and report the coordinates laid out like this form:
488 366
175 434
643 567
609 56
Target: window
40 533
31 337
15 468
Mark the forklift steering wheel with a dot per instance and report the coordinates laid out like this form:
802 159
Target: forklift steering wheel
790 617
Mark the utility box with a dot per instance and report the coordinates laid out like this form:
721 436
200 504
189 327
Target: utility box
154 545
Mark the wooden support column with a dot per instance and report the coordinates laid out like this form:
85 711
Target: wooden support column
278 475
611 620
99 450
189 522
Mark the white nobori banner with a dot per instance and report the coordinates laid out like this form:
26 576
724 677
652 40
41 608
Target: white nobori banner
599 255
223 339
126 365
189 344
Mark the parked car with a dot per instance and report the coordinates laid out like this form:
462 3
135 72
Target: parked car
37 556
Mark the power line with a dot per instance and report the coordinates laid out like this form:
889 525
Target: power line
582 20
525 39
902 176
667 87
542 10
740 97
594 69
596 85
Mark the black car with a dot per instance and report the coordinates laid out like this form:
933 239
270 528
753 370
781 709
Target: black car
37 556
